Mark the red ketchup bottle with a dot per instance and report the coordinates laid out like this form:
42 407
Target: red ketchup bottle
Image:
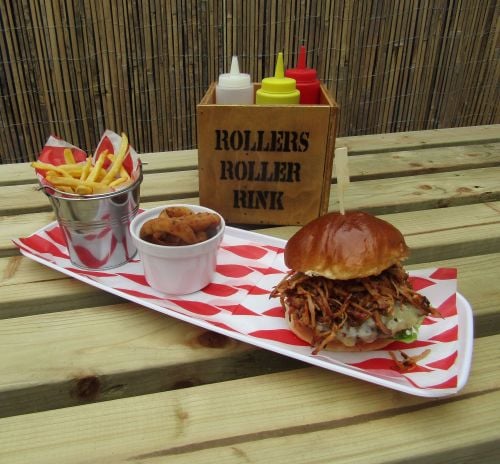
306 78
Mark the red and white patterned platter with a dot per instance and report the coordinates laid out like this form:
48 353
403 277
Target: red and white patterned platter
237 304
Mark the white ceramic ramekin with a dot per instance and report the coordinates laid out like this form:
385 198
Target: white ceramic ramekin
177 270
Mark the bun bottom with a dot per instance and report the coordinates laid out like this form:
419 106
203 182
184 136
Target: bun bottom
306 333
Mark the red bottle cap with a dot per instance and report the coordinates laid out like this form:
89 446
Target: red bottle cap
301 73
306 79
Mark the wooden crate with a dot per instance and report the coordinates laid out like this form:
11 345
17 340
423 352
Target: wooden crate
266 164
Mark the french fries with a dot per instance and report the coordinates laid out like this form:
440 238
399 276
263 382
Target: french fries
97 168
180 226
86 178
117 161
86 168
68 156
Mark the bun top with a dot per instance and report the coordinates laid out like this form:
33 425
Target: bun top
345 246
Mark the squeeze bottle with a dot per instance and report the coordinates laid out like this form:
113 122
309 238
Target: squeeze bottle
307 80
234 87
278 90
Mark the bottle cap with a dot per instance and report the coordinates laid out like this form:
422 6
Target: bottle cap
279 83
301 73
234 79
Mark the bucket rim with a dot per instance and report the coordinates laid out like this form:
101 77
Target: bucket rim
95 196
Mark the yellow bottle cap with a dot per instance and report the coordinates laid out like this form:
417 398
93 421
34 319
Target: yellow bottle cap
279 83
278 89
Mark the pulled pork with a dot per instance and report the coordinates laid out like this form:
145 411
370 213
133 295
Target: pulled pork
327 305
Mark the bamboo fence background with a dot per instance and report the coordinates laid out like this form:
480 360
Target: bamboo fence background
76 67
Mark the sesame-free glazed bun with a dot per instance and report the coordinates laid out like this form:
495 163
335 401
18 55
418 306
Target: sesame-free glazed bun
345 246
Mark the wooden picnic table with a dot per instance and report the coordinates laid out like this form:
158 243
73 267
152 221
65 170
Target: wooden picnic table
86 376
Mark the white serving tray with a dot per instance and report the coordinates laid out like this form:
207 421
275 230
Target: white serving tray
237 304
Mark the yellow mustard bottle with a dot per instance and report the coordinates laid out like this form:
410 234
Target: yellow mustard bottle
278 90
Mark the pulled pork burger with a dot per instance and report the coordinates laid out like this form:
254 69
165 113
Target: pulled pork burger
347 290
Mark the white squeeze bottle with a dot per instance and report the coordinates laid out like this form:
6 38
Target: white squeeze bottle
234 88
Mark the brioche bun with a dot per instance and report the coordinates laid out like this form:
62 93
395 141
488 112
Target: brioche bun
345 246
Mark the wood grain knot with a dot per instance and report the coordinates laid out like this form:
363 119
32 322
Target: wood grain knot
213 340
87 388
12 267
425 187
181 414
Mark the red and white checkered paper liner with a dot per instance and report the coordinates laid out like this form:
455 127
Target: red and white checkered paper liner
237 304
110 141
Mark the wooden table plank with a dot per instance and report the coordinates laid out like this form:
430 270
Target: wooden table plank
140 350
17 270
370 165
27 292
396 194
428 191
168 184
379 143
435 234
423 161
411 223
22 173
26 199
58 295
182 160
101 353
208 419
437 435
480 217
431 235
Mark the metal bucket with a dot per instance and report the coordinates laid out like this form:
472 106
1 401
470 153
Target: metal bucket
96 227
